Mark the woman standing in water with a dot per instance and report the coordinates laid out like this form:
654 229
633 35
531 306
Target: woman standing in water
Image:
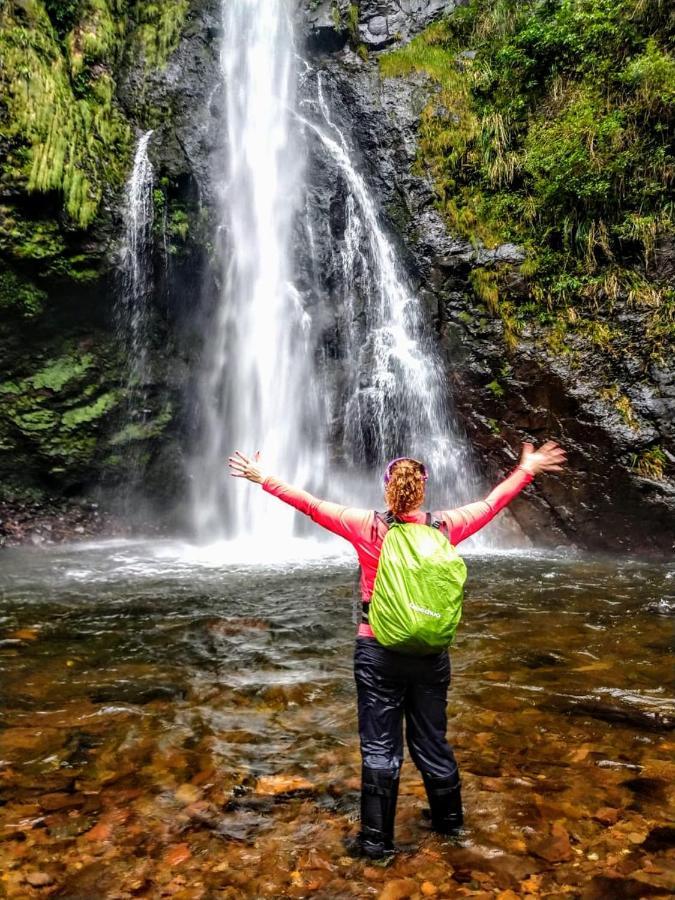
391 685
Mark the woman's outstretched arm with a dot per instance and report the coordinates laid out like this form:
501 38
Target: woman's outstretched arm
345 521
464 521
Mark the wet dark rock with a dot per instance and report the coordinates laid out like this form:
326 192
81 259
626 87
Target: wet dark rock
137 694
377 24
602 887
647 788
54 520
52 802
660 838
646 720
384 22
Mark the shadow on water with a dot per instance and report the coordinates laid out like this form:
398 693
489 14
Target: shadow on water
174 724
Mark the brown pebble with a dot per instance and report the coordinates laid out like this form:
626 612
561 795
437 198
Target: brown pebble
52 802
607 815
399 889
271 785
177 855
100 832
39 879
554 847
373 874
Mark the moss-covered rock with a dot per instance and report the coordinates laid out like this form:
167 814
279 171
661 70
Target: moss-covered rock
67 137
50 420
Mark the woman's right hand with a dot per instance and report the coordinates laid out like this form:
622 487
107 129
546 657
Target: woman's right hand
550 457
243 467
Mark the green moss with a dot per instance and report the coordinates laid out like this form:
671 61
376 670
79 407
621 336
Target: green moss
178 225
143 431
336 16
36 420
59 372
621 404
61 135
54 417
10 387
29 239
20 296
83 415
485 283
158 30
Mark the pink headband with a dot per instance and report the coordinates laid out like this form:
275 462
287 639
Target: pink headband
387 473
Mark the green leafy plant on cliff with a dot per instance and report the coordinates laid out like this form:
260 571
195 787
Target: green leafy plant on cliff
550 124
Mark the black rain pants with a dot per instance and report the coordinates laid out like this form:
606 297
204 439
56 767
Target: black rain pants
391 686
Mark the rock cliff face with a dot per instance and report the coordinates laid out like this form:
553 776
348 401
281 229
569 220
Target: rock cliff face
62 427
505 392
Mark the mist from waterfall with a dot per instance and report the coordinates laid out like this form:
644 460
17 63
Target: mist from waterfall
257 390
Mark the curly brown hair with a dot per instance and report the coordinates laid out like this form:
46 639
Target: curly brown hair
405 488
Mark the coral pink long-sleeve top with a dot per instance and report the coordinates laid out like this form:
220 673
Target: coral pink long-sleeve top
365 532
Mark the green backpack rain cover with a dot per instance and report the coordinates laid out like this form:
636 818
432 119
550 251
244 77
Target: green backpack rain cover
419 587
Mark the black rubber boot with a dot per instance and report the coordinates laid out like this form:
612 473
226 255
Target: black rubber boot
445 802
379 793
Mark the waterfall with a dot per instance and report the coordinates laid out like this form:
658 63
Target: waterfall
256 388
397 400
266 381
132 307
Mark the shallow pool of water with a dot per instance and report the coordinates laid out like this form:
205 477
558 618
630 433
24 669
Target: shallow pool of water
179 722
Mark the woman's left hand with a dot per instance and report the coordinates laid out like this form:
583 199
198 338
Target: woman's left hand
550 457
243 467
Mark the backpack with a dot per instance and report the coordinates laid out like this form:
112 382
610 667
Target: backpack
419 587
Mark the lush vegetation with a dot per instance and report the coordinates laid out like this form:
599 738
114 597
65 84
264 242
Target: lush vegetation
61 129
551 124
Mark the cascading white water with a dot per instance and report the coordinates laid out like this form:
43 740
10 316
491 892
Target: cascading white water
398 396
257 389
132 307
263 385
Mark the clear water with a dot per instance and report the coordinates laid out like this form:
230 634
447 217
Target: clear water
172 712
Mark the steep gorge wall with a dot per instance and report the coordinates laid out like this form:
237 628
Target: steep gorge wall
62 428
81 81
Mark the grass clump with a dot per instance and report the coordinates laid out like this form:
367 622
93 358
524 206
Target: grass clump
650 464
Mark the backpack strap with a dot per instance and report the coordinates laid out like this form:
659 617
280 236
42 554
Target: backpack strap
387 518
